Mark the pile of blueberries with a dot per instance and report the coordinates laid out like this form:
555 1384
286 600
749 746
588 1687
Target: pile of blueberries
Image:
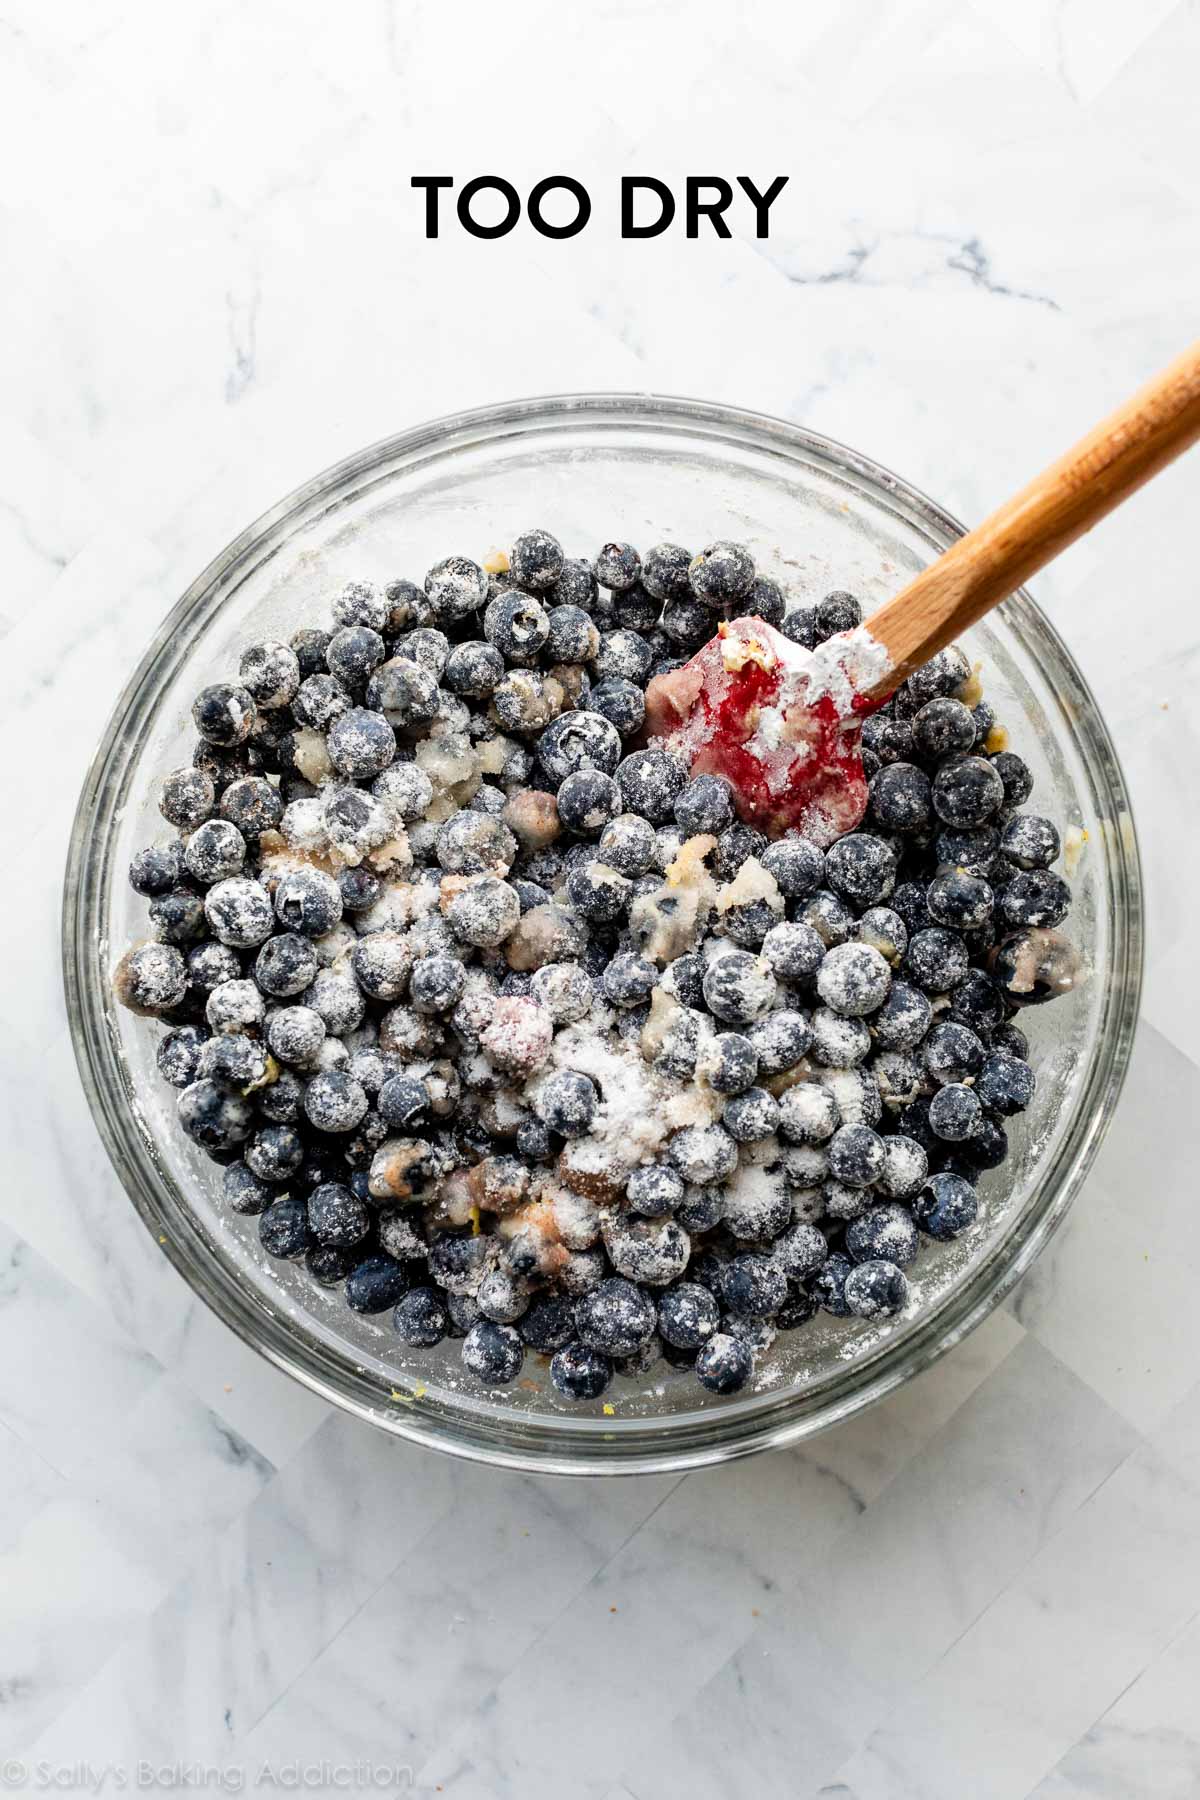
851 1018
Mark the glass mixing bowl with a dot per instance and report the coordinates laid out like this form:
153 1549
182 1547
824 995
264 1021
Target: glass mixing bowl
645 468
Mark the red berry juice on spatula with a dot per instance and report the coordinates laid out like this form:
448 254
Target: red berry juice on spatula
780 722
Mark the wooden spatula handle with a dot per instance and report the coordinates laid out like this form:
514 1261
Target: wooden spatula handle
1059 505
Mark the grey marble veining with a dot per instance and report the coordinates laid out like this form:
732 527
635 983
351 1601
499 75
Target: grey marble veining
216 285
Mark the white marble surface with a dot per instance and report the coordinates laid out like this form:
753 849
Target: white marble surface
215 284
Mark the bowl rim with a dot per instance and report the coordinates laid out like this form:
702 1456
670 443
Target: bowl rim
547 1444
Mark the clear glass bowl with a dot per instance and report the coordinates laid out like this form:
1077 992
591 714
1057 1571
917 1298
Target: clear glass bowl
818 516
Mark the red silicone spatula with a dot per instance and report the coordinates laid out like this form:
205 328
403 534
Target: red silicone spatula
781 723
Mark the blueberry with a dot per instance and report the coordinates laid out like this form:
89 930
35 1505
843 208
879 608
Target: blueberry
616 1317
1030 841
943 728
335 1216
177 918
967 792
403 1100
402 694
1016 775
376 1284
952 1052
856 1155
650 782
623 656
252 805
1005 1084
156 871
621 702
178 1055
686 623
455 588
730 1063
828 1285
885 931
517 625
485 913
751 1117
436 984
320 701
886 1233
735 846
764 600
579 740
576 585
213 1117
901 797
946 1205
580 1372
353 655
738 988
704 804
361 743
986 1148
936 959
283 1228
617 566
282 1100
724 1364
959 900
472 843
186 798
359 887
889 738
224 714
572 636
800 625
334 1102
566 1103
308 647
875 1289
793 950
1035 897
838 611
473 670
808 1114
723 571
1011 1039
909 901
754 1287
588 800
838 1042
687 1315
954 1112
244 1192
944 673
420 1318
829 916
215 851
780 1040
665 571
308 901
629 979
853 979
536 559
548 1324
654 1191
861 869
362 603
328 1264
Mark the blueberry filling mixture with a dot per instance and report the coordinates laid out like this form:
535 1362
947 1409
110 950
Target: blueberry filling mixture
516 1028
